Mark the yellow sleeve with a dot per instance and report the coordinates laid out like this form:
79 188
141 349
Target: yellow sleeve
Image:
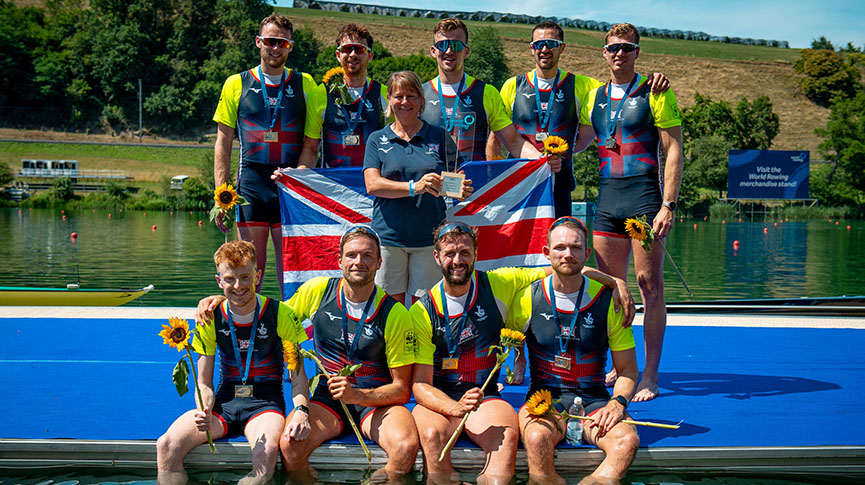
583 88
307 298
497 118
204 340
424 348
587 103
520 311
229 99
390 119
315 104
399 337
509 94
288 327
619 337
665 109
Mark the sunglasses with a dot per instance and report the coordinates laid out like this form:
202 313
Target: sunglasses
561 220
453 45
624 46
278 42
548 43
348 48
455 226
366 230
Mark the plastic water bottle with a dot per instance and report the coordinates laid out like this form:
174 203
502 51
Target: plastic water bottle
574 433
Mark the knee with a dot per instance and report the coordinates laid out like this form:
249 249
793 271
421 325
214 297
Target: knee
433 435
650 286
537 439
627 443
165 446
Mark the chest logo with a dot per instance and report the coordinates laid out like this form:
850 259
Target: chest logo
480 314
588 321
432 148
468 101
434 102
226 331
565 332
367 104
332 316
262 331
384 141
528 95
271 101
560 95
367 331
244 344
466 334
385 150
602 105
289 92
632 103
255 90
546 316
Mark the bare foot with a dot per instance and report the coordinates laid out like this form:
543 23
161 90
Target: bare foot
646 391
610 380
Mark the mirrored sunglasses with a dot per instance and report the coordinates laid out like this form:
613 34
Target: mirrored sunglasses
278 42
453 45
455 226
561 220
362 229
625 46
347 48
548 43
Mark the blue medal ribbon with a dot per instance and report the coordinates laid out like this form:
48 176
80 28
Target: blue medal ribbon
349 349
345 113
545 115
236 346
452 347
450 121
275 112
563 344
611 123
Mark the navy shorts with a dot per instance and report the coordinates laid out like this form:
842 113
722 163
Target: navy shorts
235 412
456 392
623 198
358 413
254 185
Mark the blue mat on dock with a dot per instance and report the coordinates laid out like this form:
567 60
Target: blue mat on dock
111 380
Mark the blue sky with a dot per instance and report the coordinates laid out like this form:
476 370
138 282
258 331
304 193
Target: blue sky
796 21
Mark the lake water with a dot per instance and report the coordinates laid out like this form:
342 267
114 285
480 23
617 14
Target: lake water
791 259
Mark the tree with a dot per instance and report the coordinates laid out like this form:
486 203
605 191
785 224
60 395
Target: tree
757 125
424 66
844 141
487 60
827 76
586 170
708 165
822 44
6 174
753 124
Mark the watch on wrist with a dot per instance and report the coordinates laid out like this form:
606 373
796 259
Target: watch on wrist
671 205
302 408
621 400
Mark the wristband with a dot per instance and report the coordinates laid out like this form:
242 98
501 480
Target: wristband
302 408
411 188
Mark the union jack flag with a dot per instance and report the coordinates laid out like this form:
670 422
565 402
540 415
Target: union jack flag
512 207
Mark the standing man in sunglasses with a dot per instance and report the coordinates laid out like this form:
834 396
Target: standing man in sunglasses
267 107
633 127
456 322
468 108
547 102
342 129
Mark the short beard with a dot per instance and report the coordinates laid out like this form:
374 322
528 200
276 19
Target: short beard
454 281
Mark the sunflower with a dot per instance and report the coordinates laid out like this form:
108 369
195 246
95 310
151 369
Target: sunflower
225 196
540 403
636 229
555 145
291 354
331 73
176 333
512 338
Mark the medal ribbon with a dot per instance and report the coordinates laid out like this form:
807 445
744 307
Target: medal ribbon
275 113
449 121
545 115
236 346
611 123
349 349
345 114
563 344
452 347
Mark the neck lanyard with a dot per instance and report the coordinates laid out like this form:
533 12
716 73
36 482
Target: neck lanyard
544 115
349 349
348 120
236 346
278 97
563 344
611 123
449 121
452 347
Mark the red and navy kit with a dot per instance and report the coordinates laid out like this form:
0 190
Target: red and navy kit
335 152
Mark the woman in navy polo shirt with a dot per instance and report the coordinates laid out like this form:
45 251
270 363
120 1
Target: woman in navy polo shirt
402 168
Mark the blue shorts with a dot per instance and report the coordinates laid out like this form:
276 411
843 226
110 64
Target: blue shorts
456 392
254 185
323 397
623 198
235 412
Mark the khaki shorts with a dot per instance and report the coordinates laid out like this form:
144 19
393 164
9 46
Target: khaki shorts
407 270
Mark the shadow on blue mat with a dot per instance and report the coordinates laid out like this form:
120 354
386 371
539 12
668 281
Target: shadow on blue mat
737 386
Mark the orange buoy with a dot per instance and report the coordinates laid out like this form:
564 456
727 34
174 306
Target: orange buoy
848 228
736 244
74 236
109 216
200 223
154 227
836 223
723 222
695 225
64 218
765 230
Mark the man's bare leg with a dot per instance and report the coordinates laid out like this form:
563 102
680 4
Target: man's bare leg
324 425
258 236
434 431
495 428
650 278
393 428
262 432
540 436
613 256
276 237
619 446
173 446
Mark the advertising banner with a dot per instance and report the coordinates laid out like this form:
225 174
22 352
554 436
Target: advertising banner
768 174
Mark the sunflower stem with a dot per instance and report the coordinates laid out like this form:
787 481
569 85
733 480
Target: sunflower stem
628 421
200 400
681 278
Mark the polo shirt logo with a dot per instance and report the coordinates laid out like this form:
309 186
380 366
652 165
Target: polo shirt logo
384 140
432 148
385 150
244 344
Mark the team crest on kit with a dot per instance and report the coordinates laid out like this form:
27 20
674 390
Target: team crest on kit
544 106
467 101
560 95
367 104
271 101
467 334
244 344
565 332
432 148
367 331
262 331
383 139
480 314
289 92
632 103
588 321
